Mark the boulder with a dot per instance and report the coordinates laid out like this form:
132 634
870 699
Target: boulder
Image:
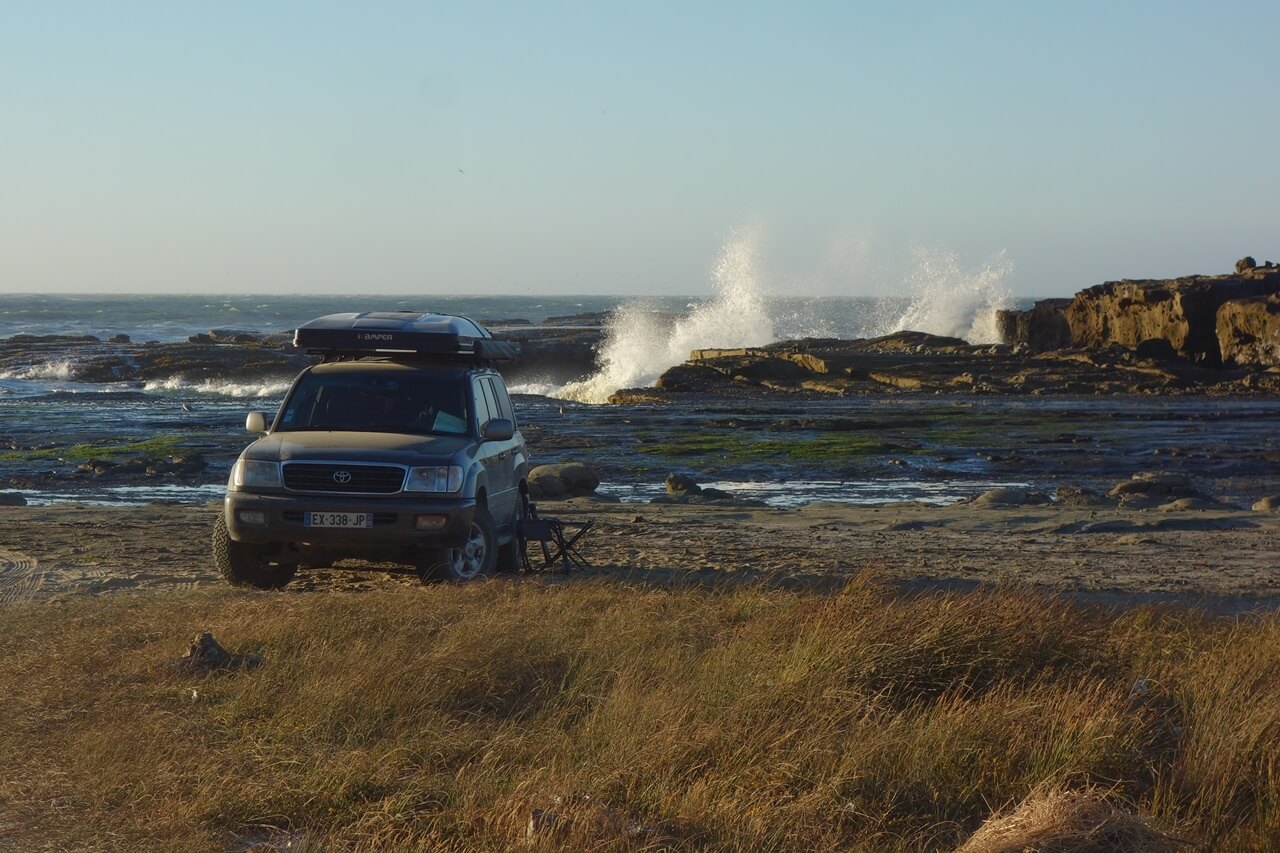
683 489
205 654
1156 484
1077 497
690 377
1271 503
563 480
914 342
1248 330
1009 497
682 484
1041 328
637 397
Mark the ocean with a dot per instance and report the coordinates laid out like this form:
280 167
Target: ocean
47 409
168 317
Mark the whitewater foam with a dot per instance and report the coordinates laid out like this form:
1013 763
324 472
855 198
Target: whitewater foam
225 388
640 343
940 297
61 370
537 389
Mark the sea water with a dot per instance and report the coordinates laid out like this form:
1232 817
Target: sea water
642 337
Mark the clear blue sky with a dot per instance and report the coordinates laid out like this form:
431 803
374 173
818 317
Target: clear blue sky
612 148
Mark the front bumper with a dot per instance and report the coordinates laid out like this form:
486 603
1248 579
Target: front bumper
394 521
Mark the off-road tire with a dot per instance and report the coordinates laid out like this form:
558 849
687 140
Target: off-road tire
475 559
242 564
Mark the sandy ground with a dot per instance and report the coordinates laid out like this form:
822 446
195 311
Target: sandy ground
51 553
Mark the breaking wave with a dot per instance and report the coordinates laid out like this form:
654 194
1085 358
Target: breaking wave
948 300
62 370
640 343
938 296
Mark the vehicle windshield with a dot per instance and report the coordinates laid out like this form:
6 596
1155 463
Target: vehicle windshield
401 402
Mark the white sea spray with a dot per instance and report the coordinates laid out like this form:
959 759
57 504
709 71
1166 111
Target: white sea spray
948 299
641 343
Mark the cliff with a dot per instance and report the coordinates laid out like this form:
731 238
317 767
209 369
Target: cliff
1210 320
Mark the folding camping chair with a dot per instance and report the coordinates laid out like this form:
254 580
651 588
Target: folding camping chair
557 540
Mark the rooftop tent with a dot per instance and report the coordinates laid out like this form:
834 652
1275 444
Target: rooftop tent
402 333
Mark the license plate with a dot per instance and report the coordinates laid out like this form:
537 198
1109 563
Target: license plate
337 519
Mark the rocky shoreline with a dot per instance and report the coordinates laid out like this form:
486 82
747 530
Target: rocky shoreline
917 363
792 410
1212 335
1198 335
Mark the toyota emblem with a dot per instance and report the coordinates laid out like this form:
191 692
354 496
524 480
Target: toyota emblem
342 476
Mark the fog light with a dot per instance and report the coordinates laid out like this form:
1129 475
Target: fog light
252 516
431 522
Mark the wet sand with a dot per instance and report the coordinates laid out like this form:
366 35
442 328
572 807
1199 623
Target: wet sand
1229 558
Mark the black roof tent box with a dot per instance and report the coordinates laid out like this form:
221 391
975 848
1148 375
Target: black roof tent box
402 333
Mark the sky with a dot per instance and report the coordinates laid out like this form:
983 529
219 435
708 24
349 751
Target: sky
615 148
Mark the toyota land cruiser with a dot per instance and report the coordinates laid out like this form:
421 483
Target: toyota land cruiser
401 445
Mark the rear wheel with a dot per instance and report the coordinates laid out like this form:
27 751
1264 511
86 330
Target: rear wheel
243 564
477 556
510 558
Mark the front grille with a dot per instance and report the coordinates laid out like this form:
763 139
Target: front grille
326 477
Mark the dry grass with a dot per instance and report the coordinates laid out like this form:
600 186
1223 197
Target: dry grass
441 718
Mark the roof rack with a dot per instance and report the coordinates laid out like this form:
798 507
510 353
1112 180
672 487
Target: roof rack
402 334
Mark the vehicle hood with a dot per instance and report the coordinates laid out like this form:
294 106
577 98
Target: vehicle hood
337 446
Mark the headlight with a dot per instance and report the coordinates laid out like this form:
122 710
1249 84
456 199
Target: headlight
253 474
441 479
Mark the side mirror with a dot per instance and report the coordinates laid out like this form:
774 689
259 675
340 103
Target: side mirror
255 422
498 429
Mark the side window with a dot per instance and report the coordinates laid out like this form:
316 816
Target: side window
494 411
504 402
484 411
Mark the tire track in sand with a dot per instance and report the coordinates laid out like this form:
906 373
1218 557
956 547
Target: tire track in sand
20 578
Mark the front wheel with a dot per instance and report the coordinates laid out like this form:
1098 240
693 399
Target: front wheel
242 564
477 556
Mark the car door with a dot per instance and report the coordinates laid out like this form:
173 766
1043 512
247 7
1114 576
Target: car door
519 457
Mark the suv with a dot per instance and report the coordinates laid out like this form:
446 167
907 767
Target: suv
401 445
